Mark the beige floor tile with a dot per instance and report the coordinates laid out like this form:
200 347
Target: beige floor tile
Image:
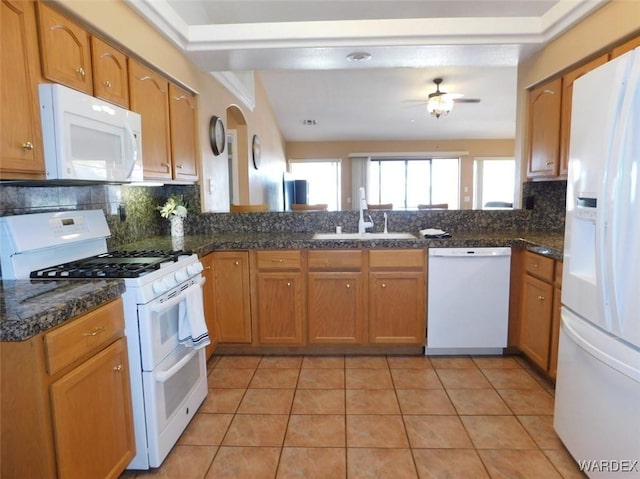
497 432
372 401
564 463
452 362
380 464
436 432
312 463
321 379
368 379
415 379
245 462
496 362
375 362
409 362
275 378
528 401
280 362
230 378
323 362
424 401
183 462
238 362
315 430
462 378
541 430
222 400
318 401
267 401
256 430
524 464
477 401
449 464
510 379
206 429
376 431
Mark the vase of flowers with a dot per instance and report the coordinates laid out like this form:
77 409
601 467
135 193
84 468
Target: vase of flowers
175 209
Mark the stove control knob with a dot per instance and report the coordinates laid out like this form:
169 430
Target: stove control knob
159 286
194 268
181 275
169 281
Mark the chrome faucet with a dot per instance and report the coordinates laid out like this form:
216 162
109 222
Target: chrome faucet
385 222
362 224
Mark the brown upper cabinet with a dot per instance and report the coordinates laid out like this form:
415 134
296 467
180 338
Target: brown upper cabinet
625 47
65 50
544 129
183 115
567 95
110 73
150 97
21 147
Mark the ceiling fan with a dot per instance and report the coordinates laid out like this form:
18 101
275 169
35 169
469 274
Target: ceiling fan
441 103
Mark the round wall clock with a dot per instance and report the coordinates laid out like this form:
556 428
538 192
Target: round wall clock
216 135
255 151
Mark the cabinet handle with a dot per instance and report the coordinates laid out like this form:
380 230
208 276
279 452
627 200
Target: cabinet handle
95 332
207 267
384 285
279 260
80 72
541 298
27 145
236 263
117 368
107 84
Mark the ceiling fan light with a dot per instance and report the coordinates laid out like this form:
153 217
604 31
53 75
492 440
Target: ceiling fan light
439 105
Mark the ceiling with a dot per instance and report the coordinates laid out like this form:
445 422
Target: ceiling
299 50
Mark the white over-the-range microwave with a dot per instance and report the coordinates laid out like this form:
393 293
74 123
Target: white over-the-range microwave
87 139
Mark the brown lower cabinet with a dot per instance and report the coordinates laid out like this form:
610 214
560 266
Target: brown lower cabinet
66 400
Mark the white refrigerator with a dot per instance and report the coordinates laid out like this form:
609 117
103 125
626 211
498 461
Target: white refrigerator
597 398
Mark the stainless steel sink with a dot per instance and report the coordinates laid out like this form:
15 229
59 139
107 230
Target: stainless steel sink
363 236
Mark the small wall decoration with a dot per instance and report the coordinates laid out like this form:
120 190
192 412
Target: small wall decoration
255 151
217 135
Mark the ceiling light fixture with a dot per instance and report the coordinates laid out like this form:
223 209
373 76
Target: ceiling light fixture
359 57
439 103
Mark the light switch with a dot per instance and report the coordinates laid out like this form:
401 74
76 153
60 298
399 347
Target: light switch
211 185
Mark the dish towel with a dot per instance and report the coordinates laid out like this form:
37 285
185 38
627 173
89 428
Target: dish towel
192 329
434 233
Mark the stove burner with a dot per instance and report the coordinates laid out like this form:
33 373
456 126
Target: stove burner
114 264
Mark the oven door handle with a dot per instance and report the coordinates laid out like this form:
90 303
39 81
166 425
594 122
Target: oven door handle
161 306
168 374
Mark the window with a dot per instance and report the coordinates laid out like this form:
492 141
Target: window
323 177
408 182
494 183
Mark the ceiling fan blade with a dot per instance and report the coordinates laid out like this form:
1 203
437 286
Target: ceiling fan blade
466 100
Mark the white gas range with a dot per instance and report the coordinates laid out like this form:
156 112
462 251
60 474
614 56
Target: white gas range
163 294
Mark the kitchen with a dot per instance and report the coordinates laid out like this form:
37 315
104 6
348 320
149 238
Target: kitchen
140 202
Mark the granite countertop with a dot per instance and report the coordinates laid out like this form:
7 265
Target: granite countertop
28 307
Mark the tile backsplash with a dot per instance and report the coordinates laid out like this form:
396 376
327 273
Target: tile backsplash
549 200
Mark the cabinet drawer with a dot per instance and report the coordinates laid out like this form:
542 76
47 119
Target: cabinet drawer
397 258
558 275
334 260
539 266
279 260
80 336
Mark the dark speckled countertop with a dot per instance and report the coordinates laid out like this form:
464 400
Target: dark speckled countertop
28 307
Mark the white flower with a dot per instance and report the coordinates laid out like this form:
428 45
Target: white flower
173 207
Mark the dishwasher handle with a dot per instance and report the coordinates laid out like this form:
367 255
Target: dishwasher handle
469 252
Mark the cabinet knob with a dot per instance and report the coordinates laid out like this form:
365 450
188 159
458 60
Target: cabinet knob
549 163
236 263
348 285
27 145
384 285
80 72
107 84
117 368
207 267
541 298
288 283
279 260
179 167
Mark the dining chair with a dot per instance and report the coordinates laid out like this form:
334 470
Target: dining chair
248 208
316 207
438 206
381 206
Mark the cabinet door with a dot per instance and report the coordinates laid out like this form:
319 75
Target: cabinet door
535 329
91 409
625 47
567 96
397 308
228 306
110 73
555 333
21 146
335 308
65 50
544 129
280 309
183 114
150 97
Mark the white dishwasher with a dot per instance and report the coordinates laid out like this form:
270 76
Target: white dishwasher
468 300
